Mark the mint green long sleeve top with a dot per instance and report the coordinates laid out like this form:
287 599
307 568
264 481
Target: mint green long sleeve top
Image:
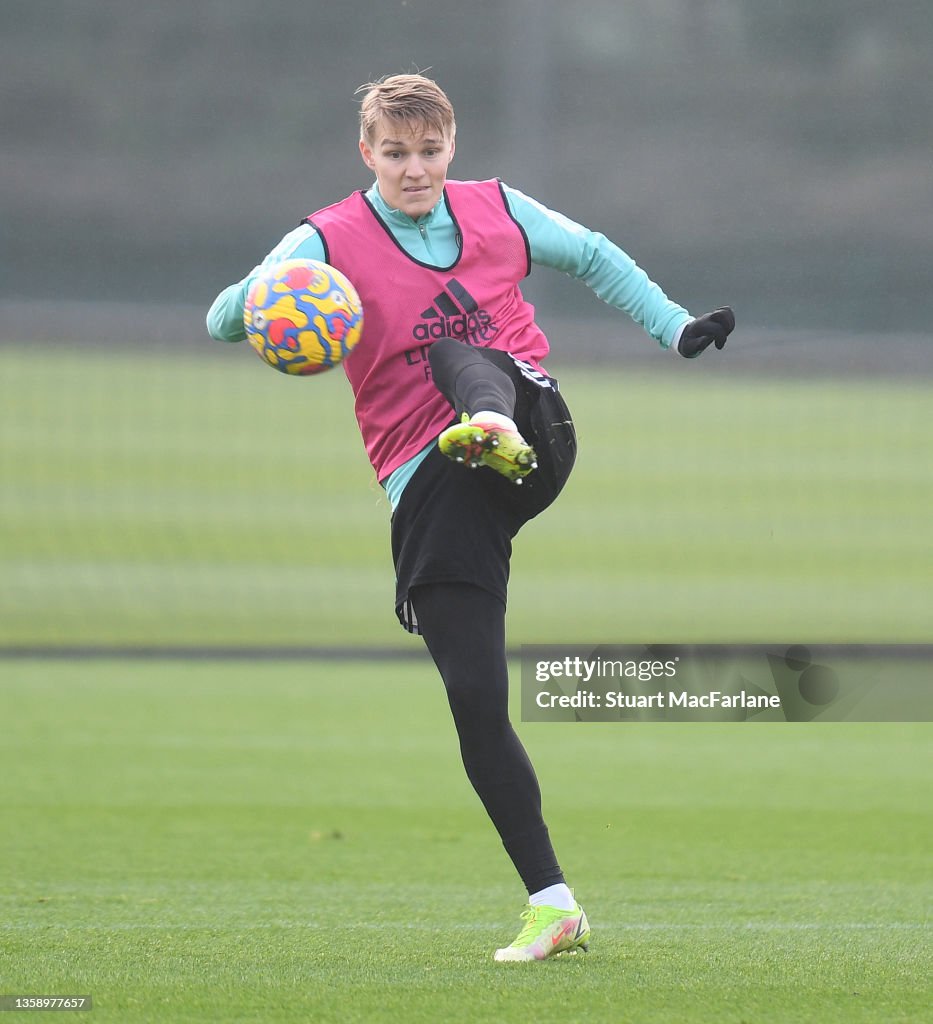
554 241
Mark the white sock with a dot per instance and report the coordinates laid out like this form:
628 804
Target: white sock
558 896
495 418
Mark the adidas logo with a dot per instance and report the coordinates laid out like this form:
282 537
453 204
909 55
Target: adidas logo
461 319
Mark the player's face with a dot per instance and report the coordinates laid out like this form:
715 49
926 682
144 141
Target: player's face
410 166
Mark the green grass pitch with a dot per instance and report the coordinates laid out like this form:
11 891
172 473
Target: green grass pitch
246 841
172 498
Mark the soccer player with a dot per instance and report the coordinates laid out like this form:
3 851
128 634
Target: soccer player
449 376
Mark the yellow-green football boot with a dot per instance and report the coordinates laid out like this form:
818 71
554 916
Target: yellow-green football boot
548 931
477 443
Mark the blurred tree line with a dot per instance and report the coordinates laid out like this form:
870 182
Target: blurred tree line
775 155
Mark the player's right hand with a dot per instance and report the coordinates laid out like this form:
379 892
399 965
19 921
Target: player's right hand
710 329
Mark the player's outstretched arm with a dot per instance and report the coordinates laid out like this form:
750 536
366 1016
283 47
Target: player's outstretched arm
710 329
225 317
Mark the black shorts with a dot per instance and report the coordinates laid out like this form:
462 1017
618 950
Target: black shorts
454 524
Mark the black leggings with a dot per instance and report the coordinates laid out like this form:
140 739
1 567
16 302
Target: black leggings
473 380
464 629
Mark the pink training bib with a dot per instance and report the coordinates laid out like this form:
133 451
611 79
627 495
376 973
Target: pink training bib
408 305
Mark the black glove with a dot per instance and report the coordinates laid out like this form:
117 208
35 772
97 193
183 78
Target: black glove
706 330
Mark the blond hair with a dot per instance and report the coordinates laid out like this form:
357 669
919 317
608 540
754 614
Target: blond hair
412 101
